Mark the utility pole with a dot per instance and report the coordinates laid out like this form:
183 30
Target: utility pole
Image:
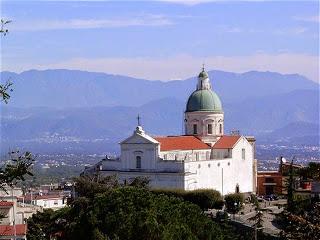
14 215
222 182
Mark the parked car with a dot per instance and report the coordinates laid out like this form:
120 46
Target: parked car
271 197
260 199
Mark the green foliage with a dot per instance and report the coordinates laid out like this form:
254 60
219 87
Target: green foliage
257 219
86 186
4 91
143 215
3 30
290 188
234 202
312 171
302 226
6 87
44 225
17 166
125 212
204 198
139 182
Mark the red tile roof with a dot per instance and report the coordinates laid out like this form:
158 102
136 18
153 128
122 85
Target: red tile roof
8 230
181 143
226 142
6 204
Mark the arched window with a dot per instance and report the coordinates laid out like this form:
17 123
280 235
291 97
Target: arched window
138 162
195 129
220 128
209 128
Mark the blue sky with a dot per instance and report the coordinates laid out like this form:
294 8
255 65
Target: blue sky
162 40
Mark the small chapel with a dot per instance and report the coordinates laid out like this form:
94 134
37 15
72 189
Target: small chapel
203 158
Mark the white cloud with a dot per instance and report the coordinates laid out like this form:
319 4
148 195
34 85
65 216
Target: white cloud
276 31
184 66
291 31
40 25
190 2
315 18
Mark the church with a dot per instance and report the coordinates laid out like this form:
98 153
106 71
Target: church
204 158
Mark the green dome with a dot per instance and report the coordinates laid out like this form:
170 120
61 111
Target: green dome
204 100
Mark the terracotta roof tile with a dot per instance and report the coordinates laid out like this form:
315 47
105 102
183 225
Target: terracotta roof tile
6 204
8 230
181 143
226 142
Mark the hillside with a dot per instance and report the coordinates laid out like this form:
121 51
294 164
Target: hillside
70 88
292 116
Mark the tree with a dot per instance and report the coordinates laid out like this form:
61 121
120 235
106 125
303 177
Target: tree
257 219
6 87
290 189
17 166
312 171
234 202
86 186
305 225
3 30
126 212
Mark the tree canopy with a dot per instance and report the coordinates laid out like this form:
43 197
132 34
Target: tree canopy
125 212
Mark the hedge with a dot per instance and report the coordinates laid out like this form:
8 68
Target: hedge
204 198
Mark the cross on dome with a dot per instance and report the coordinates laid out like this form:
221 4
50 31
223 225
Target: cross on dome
139 118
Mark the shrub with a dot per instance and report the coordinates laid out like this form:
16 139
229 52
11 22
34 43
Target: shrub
234 202
204 198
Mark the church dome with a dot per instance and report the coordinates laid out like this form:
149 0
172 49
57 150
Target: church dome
204 100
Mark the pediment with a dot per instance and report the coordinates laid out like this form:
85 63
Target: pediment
139 139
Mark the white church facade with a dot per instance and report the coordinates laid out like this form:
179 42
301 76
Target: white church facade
203 158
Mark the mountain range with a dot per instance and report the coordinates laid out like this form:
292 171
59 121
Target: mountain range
63 110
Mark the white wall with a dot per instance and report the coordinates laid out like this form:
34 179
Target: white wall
227 168
157 179
189 155
50 203
202 119
228 171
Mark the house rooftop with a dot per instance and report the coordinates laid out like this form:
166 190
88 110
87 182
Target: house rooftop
9 231
226 142
171 143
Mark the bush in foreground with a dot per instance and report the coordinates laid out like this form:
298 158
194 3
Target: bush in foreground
234 202
204 198
125 213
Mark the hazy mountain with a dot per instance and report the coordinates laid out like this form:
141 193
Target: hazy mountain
296 129
282 117
265 114
300 133
69 88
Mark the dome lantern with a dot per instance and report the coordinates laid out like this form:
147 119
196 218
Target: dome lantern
204 99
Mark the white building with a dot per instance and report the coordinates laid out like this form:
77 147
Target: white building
203 158
46 201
